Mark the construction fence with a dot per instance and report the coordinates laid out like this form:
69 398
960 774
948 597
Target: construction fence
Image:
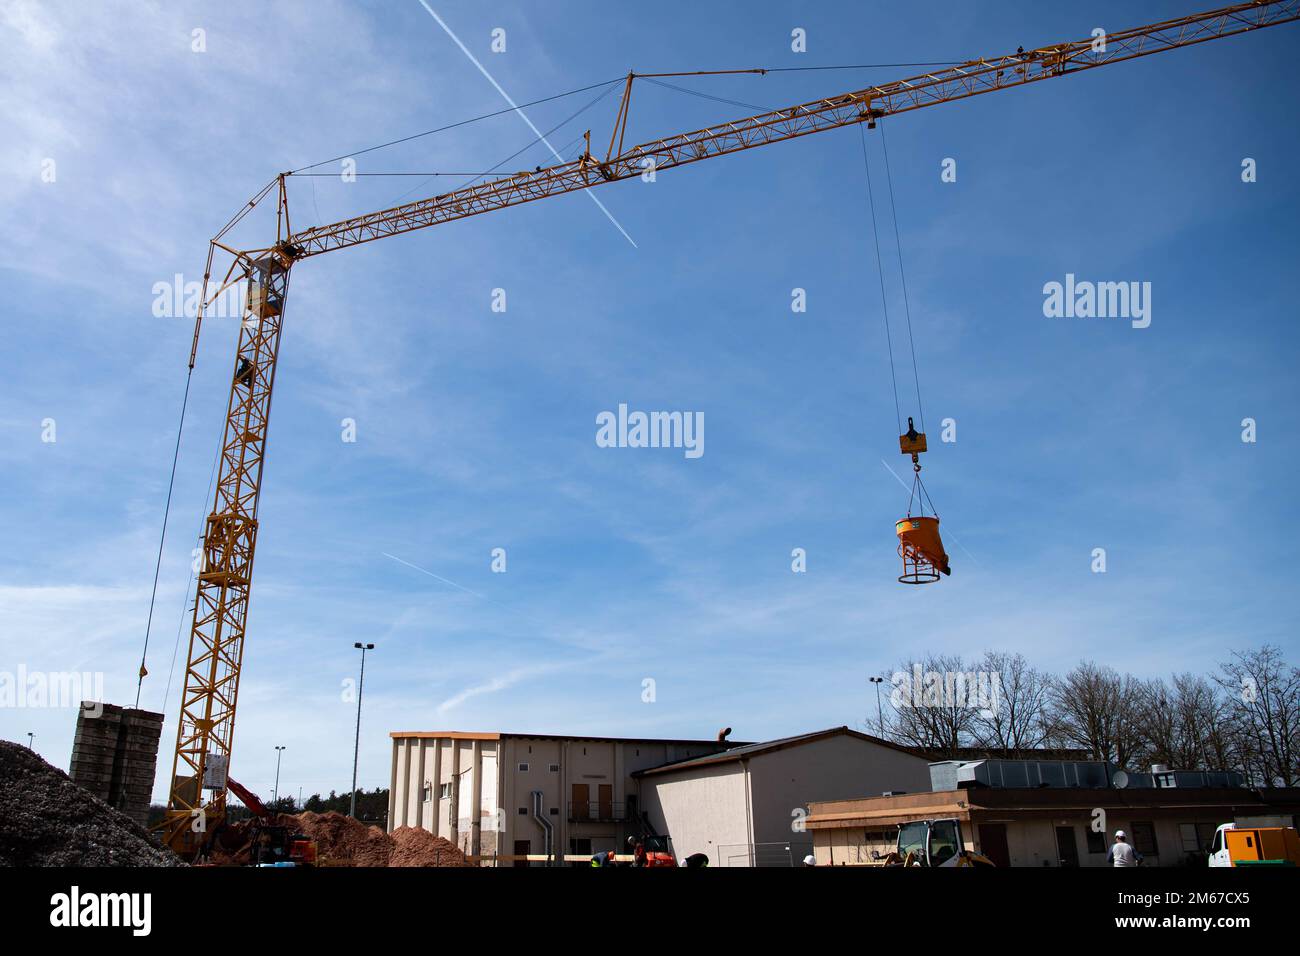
789 853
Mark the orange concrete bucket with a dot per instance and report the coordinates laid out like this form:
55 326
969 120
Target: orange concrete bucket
921 549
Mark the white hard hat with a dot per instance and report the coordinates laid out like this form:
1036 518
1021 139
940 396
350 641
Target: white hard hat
810 860
1120 834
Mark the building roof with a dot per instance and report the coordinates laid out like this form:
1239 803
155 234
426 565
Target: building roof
745 751
1052 801
1005 753
476 735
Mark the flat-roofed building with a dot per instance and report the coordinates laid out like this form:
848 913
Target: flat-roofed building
527 794
1053 815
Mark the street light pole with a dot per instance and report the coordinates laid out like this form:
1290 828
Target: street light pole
30 735
356 747
279 751
880 719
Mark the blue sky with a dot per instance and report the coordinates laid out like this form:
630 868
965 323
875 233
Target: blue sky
476 429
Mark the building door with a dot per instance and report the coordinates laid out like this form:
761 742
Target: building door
1067 848
523 848
581 847
606 798
993 843
581 806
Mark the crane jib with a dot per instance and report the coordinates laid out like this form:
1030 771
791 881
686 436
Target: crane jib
864 105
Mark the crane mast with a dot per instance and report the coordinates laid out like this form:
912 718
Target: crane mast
211 687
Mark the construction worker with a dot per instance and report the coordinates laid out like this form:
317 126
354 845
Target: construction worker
638 851
603 858
1121 854
810 860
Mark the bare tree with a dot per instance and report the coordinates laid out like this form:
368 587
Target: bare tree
1203 719
1018 719
1096 708
1246 718
1182 723
1263 695
932 705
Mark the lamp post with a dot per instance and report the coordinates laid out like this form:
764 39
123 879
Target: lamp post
880 719
30 735
275 797
356 747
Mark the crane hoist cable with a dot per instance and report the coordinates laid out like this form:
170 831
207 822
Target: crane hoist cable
902 276
558 126
618 79
464 122
234 221
162 537
919 543
186 607
180 431
880 272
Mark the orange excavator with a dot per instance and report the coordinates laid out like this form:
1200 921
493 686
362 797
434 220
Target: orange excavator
272 843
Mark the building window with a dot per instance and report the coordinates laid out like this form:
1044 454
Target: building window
555 768
523 811
1143 836
1096 840
580 847
444 791
555 811
427 793
523 768
1196 837
1205 833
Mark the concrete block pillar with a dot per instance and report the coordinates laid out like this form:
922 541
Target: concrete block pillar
115 755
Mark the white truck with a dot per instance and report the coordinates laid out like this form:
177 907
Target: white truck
1255 842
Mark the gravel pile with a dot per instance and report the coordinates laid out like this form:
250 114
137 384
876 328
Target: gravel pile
47 820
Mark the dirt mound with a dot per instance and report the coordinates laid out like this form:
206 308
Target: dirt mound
47 820
343 841
417 847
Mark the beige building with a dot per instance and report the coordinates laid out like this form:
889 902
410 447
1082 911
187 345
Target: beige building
527 794
1047 826
747 805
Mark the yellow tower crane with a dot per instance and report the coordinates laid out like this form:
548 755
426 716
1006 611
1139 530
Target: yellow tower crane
205 730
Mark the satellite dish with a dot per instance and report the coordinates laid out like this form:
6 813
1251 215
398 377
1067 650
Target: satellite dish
1119 780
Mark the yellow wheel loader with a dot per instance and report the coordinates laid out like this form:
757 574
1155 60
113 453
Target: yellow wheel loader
932 843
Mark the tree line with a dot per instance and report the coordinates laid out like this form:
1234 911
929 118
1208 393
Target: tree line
1244 716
